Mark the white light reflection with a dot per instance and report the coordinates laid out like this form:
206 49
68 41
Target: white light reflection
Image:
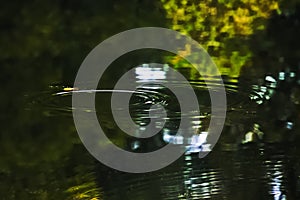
173 139
146 72
275 175
195 144
281 76
202 185
289 125
292 74
271 80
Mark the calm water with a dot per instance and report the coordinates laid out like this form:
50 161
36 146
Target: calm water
252 173
257 155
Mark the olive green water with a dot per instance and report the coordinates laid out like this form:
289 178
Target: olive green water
42 157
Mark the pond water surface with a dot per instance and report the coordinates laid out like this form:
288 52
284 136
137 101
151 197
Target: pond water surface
256 47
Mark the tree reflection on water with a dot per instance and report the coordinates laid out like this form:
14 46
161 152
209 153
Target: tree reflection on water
43 45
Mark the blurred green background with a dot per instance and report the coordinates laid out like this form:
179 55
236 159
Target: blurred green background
44 42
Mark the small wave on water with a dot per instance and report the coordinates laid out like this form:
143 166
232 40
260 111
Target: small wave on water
254 109
57 99
228 172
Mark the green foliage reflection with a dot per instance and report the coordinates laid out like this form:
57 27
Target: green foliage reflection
221 26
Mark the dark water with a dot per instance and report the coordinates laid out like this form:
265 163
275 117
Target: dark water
258 169
42 157
253 173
